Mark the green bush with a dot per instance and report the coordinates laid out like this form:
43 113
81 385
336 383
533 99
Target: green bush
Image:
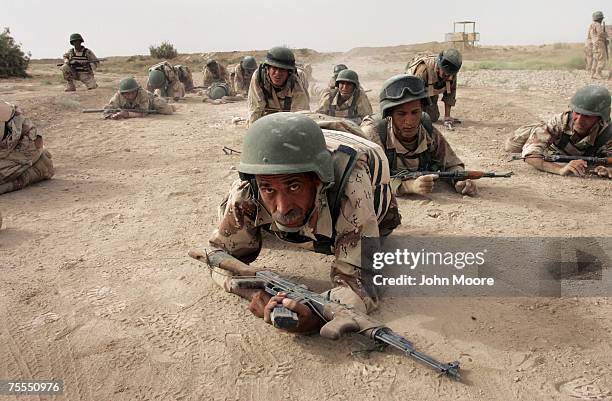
166 51
13 61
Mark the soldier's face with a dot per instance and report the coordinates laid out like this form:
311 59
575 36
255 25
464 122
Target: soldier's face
288 197
583 123
406 119
346 88
130 96
278 76
77 44
444 75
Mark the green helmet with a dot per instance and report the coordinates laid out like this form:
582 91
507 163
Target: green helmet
450 60
217 91
285 143
598 16
248 63
157 79
339 67
75 37
128 85
592 100
401 89
211 63
348 76
281 57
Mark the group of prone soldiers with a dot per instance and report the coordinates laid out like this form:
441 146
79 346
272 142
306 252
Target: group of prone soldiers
327 183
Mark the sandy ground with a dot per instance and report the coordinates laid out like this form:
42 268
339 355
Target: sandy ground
97 289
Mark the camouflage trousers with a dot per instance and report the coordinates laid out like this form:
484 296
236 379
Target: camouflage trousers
588 57
70 75
39 171
599 60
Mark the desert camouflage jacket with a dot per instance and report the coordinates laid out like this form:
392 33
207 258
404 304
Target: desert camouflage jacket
265 99
329 105
425 68
18 151
430 149
242 218
145 100
558 136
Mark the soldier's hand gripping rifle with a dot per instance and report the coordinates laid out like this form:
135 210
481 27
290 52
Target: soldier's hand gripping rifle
451 175
339 318
591 161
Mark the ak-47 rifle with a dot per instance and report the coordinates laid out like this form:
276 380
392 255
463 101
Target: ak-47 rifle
119 110
339 318
451 175
83 62
592 161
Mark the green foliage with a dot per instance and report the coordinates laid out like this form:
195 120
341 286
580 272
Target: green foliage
164 51
13 61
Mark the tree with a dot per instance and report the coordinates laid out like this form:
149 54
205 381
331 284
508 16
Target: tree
13 61
166 51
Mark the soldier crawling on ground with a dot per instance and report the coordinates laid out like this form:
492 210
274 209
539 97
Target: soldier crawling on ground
214 73
287 187
79 64
164 81
347 99
440 76
242 74
275 86
583 130
23 157
410 140
131 96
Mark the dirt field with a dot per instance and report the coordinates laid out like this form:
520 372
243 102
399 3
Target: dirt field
97 288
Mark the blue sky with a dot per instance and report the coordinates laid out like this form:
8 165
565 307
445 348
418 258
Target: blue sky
113 27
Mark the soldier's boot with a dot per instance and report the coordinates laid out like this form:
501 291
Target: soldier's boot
41 170
89 81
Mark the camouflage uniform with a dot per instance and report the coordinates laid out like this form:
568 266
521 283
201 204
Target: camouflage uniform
355 108
240 80
173 87
425 68
264 98
596 37
184 75
242 219
427 152
21 162
83 72
558 136
145 100
210 77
